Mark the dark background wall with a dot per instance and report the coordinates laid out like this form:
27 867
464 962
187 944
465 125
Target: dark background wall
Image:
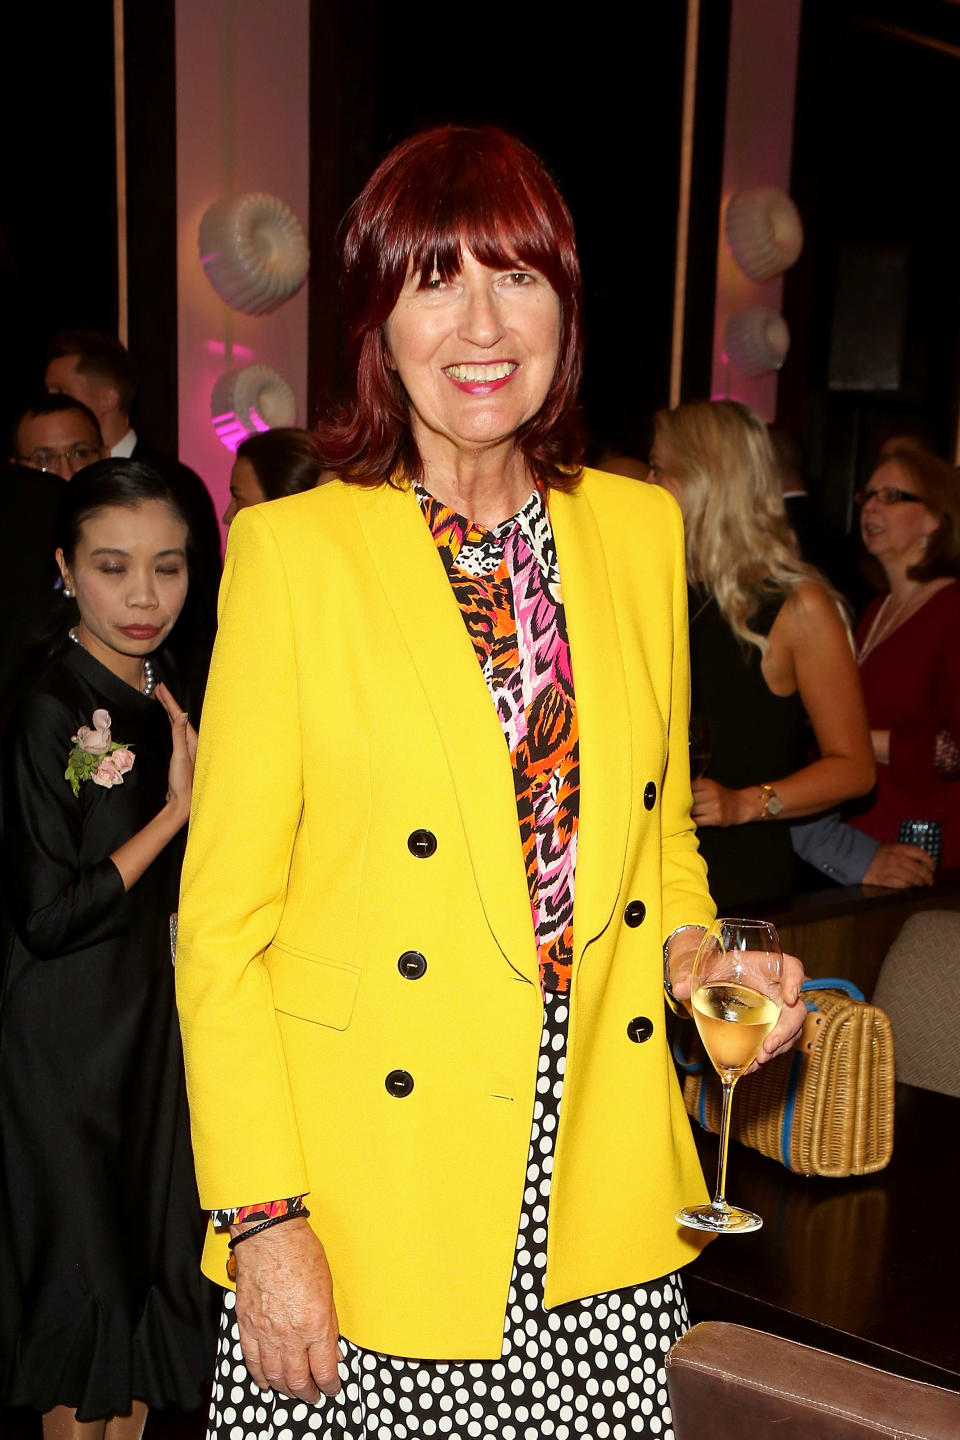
600 101
57 200
874 303
877 113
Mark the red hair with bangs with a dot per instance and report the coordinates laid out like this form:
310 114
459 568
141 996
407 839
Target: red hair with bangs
441 189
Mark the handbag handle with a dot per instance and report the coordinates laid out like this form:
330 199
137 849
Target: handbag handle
833 983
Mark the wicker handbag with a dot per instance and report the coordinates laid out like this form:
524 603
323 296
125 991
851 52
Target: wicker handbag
827 1107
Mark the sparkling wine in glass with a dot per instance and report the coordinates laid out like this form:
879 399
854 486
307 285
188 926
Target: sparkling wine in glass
736 998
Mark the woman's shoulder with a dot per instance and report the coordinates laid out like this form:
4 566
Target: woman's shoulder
808 612
619 494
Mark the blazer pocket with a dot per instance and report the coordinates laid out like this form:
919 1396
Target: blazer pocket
311 987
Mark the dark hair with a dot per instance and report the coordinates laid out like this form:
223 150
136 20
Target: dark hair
284 461
939 485
442 188
52 405
101 355
102 485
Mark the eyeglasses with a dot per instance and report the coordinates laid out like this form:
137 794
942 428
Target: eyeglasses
76 457
886 495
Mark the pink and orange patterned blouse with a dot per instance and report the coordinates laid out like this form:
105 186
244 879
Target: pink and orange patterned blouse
507 584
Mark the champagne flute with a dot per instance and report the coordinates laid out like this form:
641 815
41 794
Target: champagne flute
736 997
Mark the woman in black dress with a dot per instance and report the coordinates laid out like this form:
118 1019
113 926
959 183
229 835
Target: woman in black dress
772 663
103 1312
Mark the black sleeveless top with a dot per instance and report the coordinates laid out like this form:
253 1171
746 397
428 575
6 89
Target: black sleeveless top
758 738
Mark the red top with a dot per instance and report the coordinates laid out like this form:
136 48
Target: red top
911 683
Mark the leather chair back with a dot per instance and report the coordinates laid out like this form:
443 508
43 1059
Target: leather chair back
917 988
731 1383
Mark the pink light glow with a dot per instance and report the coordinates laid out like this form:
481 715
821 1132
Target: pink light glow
231 431
217 347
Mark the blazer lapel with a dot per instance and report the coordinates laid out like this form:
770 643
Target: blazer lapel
418 592
603 715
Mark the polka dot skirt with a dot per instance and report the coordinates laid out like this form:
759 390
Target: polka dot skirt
593 1368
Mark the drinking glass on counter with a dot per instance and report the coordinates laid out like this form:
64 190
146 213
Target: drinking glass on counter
736 997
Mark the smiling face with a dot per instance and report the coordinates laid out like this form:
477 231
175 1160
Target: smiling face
895 534
129 574
476 354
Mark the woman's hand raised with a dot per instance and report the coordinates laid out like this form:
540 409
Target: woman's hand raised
183 758
134 855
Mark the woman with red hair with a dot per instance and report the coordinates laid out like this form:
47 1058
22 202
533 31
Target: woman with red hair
446 699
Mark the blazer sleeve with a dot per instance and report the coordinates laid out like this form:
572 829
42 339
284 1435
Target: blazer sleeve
686 896
247 802
57 905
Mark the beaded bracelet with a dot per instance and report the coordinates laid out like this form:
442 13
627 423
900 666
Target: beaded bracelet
255 1230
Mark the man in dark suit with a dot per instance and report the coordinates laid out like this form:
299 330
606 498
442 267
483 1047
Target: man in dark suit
96 369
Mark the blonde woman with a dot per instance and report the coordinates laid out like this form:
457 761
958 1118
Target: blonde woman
771 655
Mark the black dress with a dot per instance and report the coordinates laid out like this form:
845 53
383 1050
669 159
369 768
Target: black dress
758 738
101 1297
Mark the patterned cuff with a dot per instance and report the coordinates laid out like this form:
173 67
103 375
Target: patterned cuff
267 1210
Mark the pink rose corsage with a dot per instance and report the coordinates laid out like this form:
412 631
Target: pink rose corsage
97 756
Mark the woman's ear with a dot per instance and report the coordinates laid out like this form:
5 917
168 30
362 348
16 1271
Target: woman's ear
68 587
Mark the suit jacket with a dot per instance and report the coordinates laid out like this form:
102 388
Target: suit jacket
346 712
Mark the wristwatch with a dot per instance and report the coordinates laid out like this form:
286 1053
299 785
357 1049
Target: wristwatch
770 803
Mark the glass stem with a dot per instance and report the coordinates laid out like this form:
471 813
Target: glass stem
720 1199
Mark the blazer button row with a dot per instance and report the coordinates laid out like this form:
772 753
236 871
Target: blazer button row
399 1084
412 965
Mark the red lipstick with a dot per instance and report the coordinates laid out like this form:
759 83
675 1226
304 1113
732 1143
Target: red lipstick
140 632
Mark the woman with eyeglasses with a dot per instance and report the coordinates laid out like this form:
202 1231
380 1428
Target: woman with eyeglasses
909 649
772 664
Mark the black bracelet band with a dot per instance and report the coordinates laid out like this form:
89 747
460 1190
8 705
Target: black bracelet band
265 1225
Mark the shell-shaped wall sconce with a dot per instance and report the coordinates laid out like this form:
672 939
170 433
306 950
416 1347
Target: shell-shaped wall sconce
764 231
756 340
253 399
254 252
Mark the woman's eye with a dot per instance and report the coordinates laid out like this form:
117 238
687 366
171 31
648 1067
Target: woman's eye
520 277
169 569
111 569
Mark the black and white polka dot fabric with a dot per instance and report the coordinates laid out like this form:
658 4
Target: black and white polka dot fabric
593 1368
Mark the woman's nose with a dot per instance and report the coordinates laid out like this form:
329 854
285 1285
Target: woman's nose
144 591
481 323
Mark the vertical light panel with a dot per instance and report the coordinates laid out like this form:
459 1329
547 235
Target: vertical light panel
757 150
683 205
243 124
120 132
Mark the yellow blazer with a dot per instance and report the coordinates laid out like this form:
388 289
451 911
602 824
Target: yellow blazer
346 711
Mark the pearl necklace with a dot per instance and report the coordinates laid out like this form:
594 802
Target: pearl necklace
149 678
